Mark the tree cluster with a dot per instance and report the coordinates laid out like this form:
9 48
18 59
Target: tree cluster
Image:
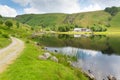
112 10
9 24
98 28
67 27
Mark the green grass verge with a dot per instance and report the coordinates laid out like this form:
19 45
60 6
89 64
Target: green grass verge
28 67
96 33
4 42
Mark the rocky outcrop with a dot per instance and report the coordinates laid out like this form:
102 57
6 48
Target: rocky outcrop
53 58
47 56
41 57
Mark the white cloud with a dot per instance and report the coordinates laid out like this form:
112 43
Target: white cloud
32 10
54 6
7 11
91 7
50 6
65 6
106 3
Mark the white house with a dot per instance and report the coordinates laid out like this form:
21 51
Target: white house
82 30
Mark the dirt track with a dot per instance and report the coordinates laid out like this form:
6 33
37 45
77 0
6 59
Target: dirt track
10 53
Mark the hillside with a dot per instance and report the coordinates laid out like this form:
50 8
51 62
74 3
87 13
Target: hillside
21 31
115 23
41 19
85 19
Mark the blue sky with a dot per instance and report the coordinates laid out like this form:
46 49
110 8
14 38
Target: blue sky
11 8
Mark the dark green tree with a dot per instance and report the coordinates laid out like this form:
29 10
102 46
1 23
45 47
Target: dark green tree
1 22
113 10
17 24
0 16
9 24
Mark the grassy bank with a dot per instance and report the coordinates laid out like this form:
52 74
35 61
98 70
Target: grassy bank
4 41
28 67
96 33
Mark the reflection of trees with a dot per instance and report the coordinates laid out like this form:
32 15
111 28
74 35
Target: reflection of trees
96 42
97 37
109 49
64 36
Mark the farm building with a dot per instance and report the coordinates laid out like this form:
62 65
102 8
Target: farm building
82 30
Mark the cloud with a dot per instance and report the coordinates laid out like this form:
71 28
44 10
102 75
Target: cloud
50 6
54 6
7 11
106 3
64 6
32 10
22 2
92 7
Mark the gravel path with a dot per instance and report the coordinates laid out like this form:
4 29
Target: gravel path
10 53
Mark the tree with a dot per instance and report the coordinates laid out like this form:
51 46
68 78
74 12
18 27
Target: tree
1 22
113 10
9 24
98 28
0 16
17 24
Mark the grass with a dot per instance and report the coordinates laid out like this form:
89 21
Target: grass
96 33
28 67
4 41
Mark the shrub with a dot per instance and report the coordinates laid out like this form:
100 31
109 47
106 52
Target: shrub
0 16
27 41
9 24
1 32
5 35
1 22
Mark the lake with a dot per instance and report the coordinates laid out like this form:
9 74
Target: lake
98 53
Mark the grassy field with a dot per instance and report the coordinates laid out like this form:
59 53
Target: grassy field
28 67
115 23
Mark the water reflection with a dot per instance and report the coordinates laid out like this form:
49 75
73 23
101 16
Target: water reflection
101 65
82 35
106 44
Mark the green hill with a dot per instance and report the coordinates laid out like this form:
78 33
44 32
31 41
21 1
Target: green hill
85 19
41 19
115 23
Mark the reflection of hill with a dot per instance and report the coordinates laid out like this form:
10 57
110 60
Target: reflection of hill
99 42
114 42
109 48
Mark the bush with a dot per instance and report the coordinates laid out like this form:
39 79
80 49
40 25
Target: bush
1 22
0 16
9 24
27 41
98 28
5 35
1 32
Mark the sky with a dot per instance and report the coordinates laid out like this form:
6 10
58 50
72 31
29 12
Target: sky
12 8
